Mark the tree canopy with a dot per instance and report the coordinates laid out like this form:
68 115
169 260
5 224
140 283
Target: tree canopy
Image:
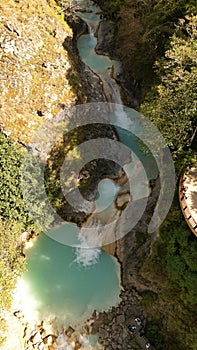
143 29
171 104
12 261
11 201
14 219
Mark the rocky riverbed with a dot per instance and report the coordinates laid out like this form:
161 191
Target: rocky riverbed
111 327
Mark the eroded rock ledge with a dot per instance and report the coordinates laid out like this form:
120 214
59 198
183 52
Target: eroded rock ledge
92 84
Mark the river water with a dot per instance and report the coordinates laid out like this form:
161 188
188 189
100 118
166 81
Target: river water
65 284
58 287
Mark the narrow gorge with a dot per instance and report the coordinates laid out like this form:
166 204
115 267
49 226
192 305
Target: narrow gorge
94 179
60 301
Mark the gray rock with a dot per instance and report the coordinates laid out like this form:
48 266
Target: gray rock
120 319
118 71
103 333
105 35
110 317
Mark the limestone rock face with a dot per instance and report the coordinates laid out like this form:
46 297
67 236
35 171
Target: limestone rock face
133 249
33 64
105 38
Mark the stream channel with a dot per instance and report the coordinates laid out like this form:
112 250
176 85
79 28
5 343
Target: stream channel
66 284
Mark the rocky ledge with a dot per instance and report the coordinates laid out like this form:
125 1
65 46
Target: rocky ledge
34 65
107 45
120 328
91 83
113 326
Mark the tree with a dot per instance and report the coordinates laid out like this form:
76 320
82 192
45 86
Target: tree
143 31
177 253
174 255
13 205
171 105
12 261
11 201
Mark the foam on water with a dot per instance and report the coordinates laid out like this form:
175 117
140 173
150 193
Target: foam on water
87 342
62 343
86 256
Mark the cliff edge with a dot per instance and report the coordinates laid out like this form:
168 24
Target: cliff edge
33 64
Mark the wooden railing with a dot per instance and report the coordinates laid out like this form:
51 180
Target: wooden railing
184 207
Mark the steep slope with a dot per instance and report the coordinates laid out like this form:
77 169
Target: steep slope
33 64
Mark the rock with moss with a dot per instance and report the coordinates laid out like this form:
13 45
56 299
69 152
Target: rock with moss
34 65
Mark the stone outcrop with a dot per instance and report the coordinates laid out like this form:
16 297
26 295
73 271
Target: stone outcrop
34 65
92 84
105 35
112 326
44 336
133 249
107 45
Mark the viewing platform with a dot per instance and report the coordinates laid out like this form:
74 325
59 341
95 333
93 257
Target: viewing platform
188 198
